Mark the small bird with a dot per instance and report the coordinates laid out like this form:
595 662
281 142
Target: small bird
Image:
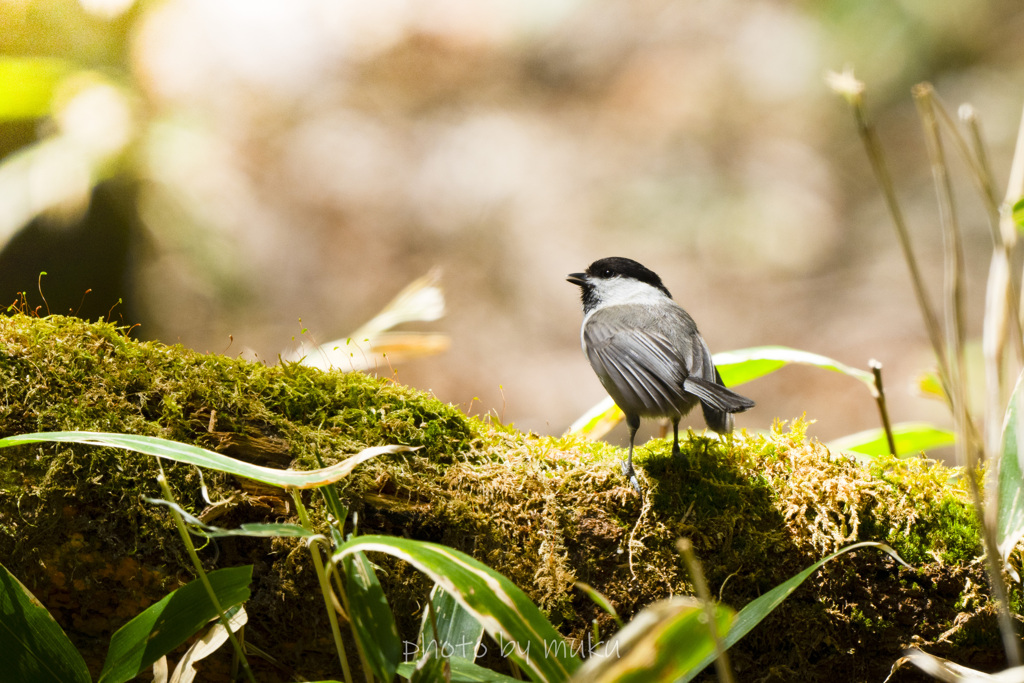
647 352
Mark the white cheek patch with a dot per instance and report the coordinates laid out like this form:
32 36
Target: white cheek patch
623 290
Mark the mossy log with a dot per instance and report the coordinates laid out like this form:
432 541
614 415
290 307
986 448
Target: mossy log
545 512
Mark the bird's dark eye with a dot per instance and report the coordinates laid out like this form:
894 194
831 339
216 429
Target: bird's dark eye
606 272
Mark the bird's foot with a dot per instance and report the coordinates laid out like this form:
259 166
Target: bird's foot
630 474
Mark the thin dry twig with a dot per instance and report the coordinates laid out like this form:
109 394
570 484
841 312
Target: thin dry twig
853 91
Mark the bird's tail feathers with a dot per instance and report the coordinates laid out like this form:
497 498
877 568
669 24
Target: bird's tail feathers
716 396
718 420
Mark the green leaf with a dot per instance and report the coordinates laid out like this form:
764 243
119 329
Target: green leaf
516 624
170 622
182 452
1018 214
34 647
460 634
462 671
372 619
911 438
756 610
663 642
599 420
27 85
1010 496
744 365
930 386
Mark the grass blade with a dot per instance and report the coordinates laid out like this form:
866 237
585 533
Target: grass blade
506 613
372 620
755 611
945 670
599 599
662 642
34 647
183 452
249 529
1010 496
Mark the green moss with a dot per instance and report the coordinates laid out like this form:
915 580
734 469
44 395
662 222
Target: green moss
122 385
861 620
66 374
955 536
933 519
544 511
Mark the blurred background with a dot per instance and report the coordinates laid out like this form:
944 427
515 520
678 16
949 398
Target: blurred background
244 175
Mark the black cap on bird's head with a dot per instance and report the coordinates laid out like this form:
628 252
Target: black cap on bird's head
616 266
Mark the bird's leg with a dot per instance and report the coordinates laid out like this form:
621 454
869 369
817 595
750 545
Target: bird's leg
675 439
633 422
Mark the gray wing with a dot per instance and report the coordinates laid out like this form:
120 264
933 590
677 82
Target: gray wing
644 358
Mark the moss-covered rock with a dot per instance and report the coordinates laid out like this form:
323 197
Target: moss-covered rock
543 511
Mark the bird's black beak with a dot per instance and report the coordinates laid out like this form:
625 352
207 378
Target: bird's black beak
577 278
